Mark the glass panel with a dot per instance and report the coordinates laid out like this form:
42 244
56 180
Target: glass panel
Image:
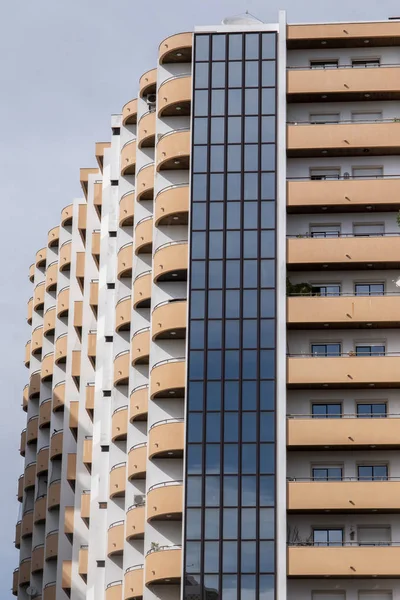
202 47
235 74
218 75
201 75
211 523
200 135
229 554
193 524
218 47
217 130
193 557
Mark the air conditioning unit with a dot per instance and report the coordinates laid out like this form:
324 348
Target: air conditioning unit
151 100
138 499
346 175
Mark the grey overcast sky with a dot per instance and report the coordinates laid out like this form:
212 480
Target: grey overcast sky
66 66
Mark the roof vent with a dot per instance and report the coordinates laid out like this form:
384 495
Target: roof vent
243 19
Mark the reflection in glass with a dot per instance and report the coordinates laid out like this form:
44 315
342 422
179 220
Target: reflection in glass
231 427
201 103
229 587
267 427
267 273
230 525
214 364
251 130
231 459
251 157
211 557
267 490
268 45
193 524
193 491
196 365
216 215
252 46
251 74
234 130
218 75
216 240
217 102
232 304
267 459
196 395
197 334
211 523
217 130
200 135
232 364
194 459
235 102
213 459
199 213
268 157
235 46
201 75
267 523
251 102
212 491
195 427
233 244
232 270
267 557
199 188
218 47
214 334
268 101
249 458
217 159
230 491
197 305
234 158
202 47
231 395
213 395
200 155
268 74
248 587
216 187
215 272
193 557
213 427
266 587
248 562
267 186
249 524
235 74
229 557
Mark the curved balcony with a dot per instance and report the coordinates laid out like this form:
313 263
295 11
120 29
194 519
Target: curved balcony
34 385
121 368
135 522
47 366
38 297
49 591
128 158
144 236
134 583
30 475
119 424
167 439
140 351
139 403
52 545
145 183
42 460
15 582
27 357
172 205
25 571
129 112
165 501
25 398
61 349
37 340
175 96
96 241
66 215
59 396
54 494
30 311
69 517
17 541
148 83
49 321
115 543
118 480
173 150
65 256
124 261
37 558
142 290
126 209
56 444
171 262
89 399
53 237
32 430
40 260
76 366
51 277
169 320
176 49
164 566
147 130
87 451
123 314
45 414
32 273
22 443
168 379
73 416
20 489
80 268
39 512
91 351
66 574
85 505
63 302
27 524
137 457
71 467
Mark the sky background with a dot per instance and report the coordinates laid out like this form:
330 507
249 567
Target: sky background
65 68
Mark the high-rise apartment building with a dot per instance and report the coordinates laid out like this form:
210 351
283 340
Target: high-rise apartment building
214 362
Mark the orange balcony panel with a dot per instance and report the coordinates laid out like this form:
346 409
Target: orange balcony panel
137 457
63 302
39 513
82 217
73 415
30 311
66 215
15 582
42 460
145 183
176 49
96 243
119 424
49 321
142 290
80 265
25 571
94 293
87 451
38 296
53 500
32 430
174 96
144 236
115 543
352 371
121 368
47 367
134 582
129 112
343 139
52 545
53 237
343 195
66 574
76 363
128 158
49 591
124 260
141 347
135 522
167 377
27 358
20 491
40 260
30 475
99 153
56 444
85 505
123 314
27 524
51 276
164 566
34 385
345 253
32 272
69 520
89 400
71 467
139 403
114 590
37 558
84 175
92 339
310 36
118 480
171 262
172 205
169 320
61 349
59 396
165 501
126 209
65 256
83 560
45 414
166 439
25 398
148 83
356 561
147 130
17 540
173 151
22 443
78 314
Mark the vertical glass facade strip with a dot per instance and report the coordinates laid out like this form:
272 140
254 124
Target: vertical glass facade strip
230 467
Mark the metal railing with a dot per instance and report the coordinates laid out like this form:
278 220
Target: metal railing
351 354
168 360
346 121
330 67
347 416
118 466
342 544
334 235
163 548
164 484
179 130
342 294
166 421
